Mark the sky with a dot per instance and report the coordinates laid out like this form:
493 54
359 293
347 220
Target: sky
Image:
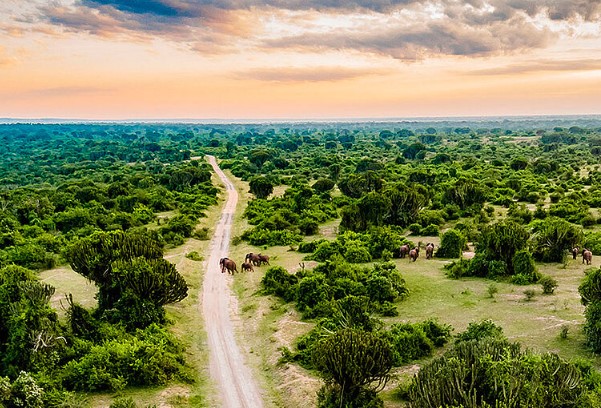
298 59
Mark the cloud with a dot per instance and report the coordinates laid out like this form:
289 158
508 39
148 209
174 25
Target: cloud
403 29
63 91
310 74
417 41
145 20
543 66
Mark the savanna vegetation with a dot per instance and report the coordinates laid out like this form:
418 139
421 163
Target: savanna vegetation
521 195
505 202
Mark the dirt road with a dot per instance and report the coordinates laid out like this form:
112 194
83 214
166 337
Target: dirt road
234 379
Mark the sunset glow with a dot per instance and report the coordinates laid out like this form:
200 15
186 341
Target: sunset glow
172 59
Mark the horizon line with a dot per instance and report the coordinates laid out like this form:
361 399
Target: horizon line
50 120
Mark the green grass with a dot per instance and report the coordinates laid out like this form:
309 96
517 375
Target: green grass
535 324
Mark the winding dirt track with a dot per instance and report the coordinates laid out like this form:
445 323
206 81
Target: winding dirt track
237 387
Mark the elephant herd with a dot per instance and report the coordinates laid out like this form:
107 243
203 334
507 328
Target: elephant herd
413 253
587 255
250 261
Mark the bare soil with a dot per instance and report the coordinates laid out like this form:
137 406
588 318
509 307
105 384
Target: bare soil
228 369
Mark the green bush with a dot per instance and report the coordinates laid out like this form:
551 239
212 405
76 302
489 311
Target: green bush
279 282
498 374
479 331
195 256
430 231
311 291
308 226
439 333
380 289
592 241
410 342
415 229
548 283
260 237
523 264
452 243
307 247
151 357
529 295
123 403
325 250
457 269
355 252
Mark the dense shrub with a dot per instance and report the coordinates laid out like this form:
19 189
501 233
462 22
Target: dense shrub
496 373
279 282
548 283
590 293
479 331
352 362
311 291
355 252
430 231
553 238
410 342
259 237
152 357
452 243
307 247
524 267
457 269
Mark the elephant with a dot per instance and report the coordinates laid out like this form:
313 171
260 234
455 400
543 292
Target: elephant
587 256
429 250
230 265
253 259
263 259
248 267
404 250
413 254
575 252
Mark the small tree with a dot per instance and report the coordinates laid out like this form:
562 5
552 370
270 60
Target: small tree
524 267
353 362
451 244
554 237
590 294
131 275
500 242
261 186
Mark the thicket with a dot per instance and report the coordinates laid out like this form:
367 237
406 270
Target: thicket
496 373
85 194
285 220
522 192
590 295
62 182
